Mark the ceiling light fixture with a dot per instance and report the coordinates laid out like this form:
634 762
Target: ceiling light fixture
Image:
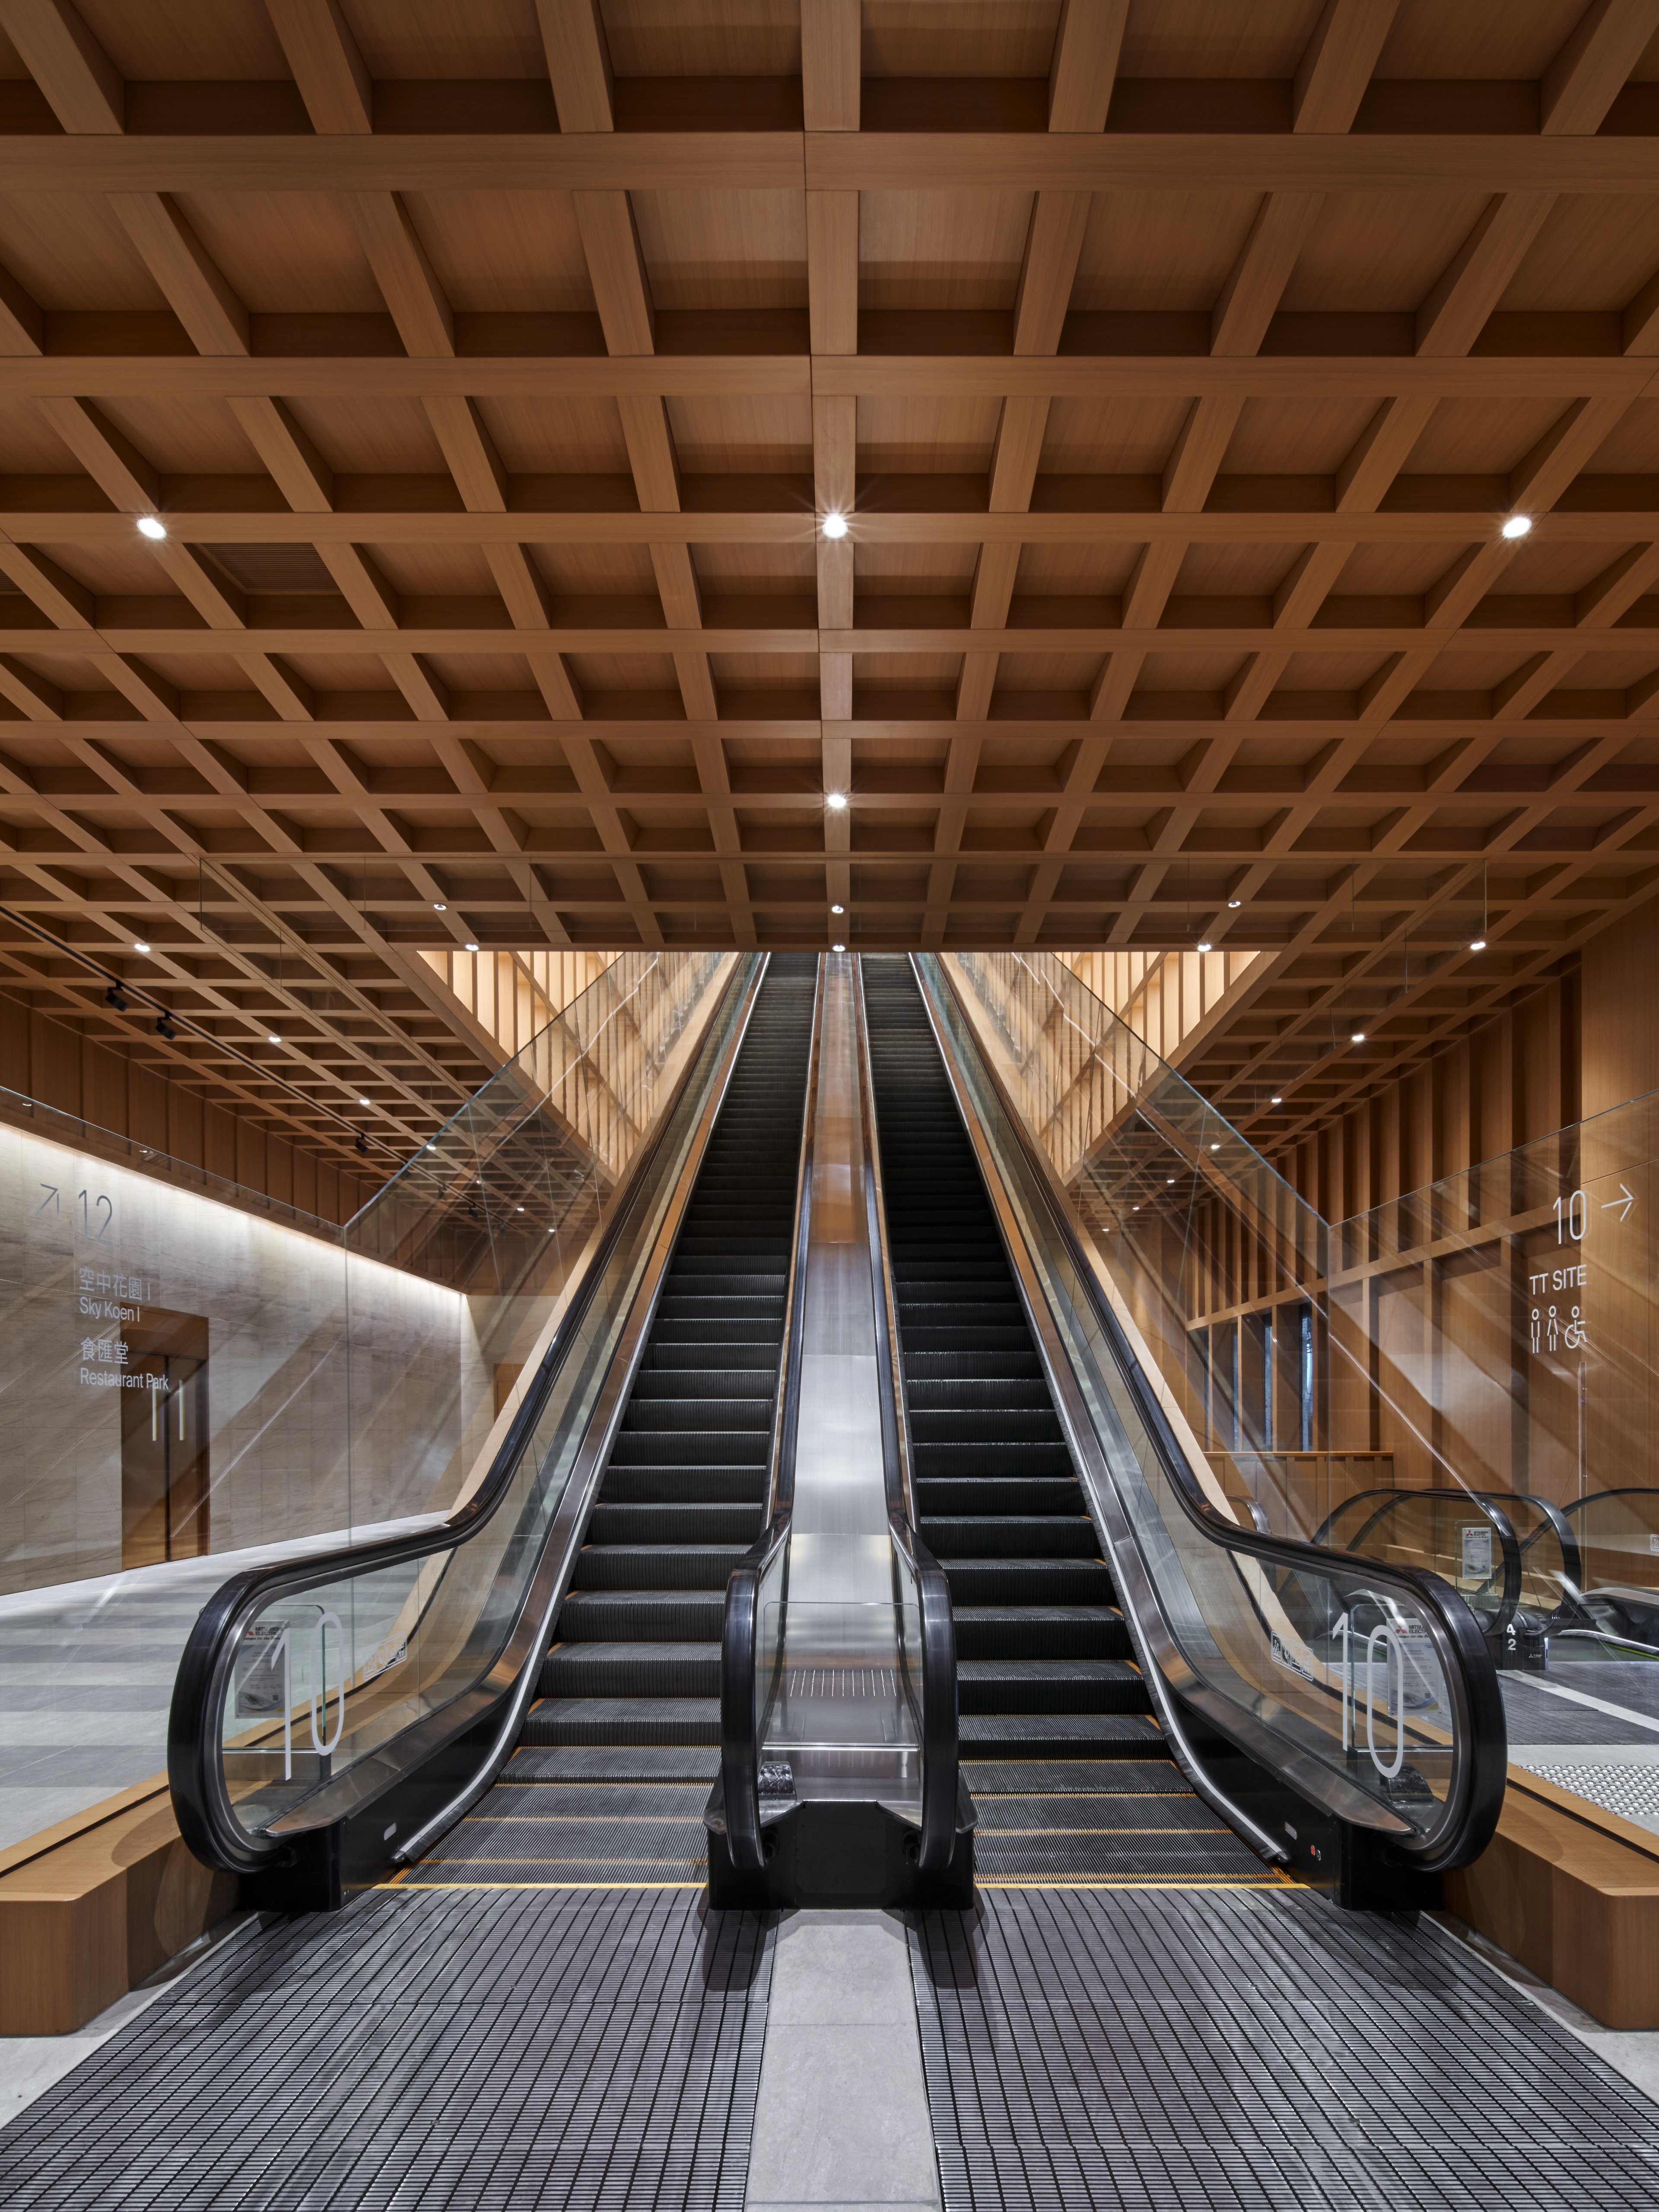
1204 945
835 525
164 1028
1477 945
838 948
470 946
117 998
139 945
1358 1037
1169 1178
1275 1101
1216 1147
362 1102
837 909
273 1039
834 801
1517 525
150 527
438 906
1233 905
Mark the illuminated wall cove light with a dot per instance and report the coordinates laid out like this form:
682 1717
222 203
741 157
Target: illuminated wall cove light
151 527
1517 525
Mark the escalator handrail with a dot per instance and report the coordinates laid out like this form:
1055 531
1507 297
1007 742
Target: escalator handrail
742 1728
941 1731
201 1682
1470 1674
1509 1544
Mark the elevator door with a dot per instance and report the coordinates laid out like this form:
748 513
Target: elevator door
164 1443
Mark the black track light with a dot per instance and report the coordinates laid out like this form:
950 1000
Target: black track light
116 997
362 1144
164 1028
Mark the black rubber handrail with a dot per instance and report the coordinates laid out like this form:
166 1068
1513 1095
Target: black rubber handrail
1471 1676
743 1727
1390 1501
194 1746
938 1713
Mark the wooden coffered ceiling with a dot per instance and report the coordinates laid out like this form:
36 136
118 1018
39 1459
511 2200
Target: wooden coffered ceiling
494 363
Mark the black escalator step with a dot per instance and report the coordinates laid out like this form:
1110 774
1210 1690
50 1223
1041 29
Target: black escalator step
760 1334
1029 1581
580 1763
669 1358
557 1721
688 1447
507 1850
1056 1536
966 1395
695 1410
1001 1425
1039 1631
938 1495
1050 1685
991 1455
1060 1735
653 1566
675 1383
668 1485
640 1617
674 1524
959 1339
987 1779
631 1670
924 1368
1143 1815
1088 1860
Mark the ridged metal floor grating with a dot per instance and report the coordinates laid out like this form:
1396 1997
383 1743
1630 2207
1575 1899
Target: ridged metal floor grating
434 2053
1256 2051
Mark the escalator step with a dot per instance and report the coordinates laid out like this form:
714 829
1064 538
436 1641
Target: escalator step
1050 1685
642 1616
1060 1536
675 1524
1060 1735
623 1721
650 1567
1040 1631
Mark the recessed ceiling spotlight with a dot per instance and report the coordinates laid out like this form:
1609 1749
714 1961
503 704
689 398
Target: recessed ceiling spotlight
1204 945
438 906
1275 1101
1135 1209
139 945
1477 945
838 948
1234 904
834 801
835 525
1358 1037
362 1102
1517 525
1216 1147
1169 1178
470 946
273 1039
151 526
518 1209
837 909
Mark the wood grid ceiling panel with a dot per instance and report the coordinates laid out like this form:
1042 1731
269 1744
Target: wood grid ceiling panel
493 370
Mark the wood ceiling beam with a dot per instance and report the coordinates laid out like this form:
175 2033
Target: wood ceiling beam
81 85
578 64
1337 62
1587 74
1458 305
830 63
196 290
1088 46
120 472
299 470
326 66
1250 297
408 282
22 321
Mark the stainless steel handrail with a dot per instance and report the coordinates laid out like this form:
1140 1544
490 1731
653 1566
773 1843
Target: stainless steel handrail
1476 1798
741 1727
937 1715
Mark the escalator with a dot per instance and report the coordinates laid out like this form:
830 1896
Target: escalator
615 1759
1071 1777
342 1718
1151 1690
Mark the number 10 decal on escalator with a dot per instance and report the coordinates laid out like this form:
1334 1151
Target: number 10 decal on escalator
1393 1674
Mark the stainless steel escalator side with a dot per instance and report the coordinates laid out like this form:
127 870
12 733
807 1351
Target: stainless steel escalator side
465 1607
1259 1636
